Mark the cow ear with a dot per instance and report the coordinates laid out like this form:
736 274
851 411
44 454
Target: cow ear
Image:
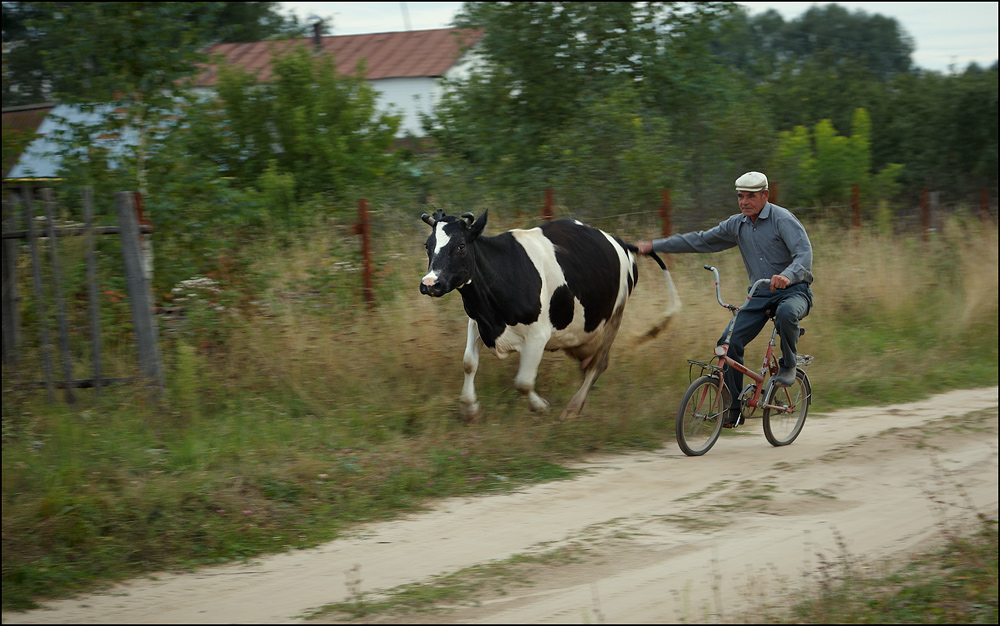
478 225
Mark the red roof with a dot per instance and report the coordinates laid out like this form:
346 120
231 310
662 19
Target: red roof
408 54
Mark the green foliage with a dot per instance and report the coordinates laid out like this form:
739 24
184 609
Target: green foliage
764 42
509 116
822 169
257 21
311 124
44 56
609 146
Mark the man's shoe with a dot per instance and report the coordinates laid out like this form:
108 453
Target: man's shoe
733 418
785 377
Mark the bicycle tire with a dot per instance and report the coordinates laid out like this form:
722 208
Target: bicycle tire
701 414
781 427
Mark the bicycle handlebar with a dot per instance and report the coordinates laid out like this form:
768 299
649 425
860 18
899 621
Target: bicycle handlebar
733 307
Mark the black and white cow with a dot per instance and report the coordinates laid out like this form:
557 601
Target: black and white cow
562 286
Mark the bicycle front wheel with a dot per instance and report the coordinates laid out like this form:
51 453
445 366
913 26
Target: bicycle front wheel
785 410
701 414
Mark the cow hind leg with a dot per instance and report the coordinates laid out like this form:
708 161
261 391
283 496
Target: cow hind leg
593 366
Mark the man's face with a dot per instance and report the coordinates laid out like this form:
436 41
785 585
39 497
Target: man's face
751 202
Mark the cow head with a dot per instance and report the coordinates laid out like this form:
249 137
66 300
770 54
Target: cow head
450 251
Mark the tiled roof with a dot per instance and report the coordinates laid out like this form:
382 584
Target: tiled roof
408 54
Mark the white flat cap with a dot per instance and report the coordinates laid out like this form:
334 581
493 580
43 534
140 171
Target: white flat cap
751 181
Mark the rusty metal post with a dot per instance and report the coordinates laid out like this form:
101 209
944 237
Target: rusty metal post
984 206
925 212
665 212
547 212
666 222
856 207
772 194
363 228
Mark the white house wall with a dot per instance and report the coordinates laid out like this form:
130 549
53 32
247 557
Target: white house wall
409 97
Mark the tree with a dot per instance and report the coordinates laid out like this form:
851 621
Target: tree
318 127
46 59
123 61
764 43
505 117
256 21
822 169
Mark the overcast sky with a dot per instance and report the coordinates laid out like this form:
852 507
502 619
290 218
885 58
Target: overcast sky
946 34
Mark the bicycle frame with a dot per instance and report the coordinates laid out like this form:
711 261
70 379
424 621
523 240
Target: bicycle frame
770 363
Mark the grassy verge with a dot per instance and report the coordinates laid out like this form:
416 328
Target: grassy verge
292 412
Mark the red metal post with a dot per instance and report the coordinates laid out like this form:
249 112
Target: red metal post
547 212
856 206
925 212
363 228
665 216
665 211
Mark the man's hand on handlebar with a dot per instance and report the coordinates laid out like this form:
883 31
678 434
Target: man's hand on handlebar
779 281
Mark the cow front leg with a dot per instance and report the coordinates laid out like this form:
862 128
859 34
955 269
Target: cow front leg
527 372
470 409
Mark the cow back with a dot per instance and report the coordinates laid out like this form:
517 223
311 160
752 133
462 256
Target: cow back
596 267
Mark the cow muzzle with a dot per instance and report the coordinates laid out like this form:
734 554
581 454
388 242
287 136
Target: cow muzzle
432 288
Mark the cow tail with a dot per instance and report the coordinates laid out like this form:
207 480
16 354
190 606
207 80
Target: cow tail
673 304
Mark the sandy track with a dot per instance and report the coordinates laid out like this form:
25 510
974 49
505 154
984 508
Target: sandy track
660 537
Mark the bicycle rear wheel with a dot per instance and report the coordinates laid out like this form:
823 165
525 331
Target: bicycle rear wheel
785 410
701 414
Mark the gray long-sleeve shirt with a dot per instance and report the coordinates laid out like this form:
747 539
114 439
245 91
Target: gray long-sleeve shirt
776 244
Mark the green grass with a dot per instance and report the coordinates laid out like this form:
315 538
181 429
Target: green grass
296 413
957 585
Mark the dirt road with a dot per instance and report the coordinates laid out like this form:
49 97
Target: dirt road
654 537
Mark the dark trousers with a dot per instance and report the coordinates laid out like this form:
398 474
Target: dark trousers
789 305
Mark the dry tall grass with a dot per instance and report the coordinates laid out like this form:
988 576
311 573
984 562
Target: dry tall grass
405 356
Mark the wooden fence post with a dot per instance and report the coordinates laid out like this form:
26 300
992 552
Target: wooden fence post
40 300
95 304
11 295
984 206
146 334
772 193
67 359
363 228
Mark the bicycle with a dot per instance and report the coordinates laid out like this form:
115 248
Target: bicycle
706 402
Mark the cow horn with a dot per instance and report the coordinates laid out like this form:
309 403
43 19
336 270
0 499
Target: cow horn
469 218
428 220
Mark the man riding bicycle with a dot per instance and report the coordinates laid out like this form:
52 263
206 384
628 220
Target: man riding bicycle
774 245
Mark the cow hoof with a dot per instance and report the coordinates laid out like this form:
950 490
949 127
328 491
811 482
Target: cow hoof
569 414
471 414
537 404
